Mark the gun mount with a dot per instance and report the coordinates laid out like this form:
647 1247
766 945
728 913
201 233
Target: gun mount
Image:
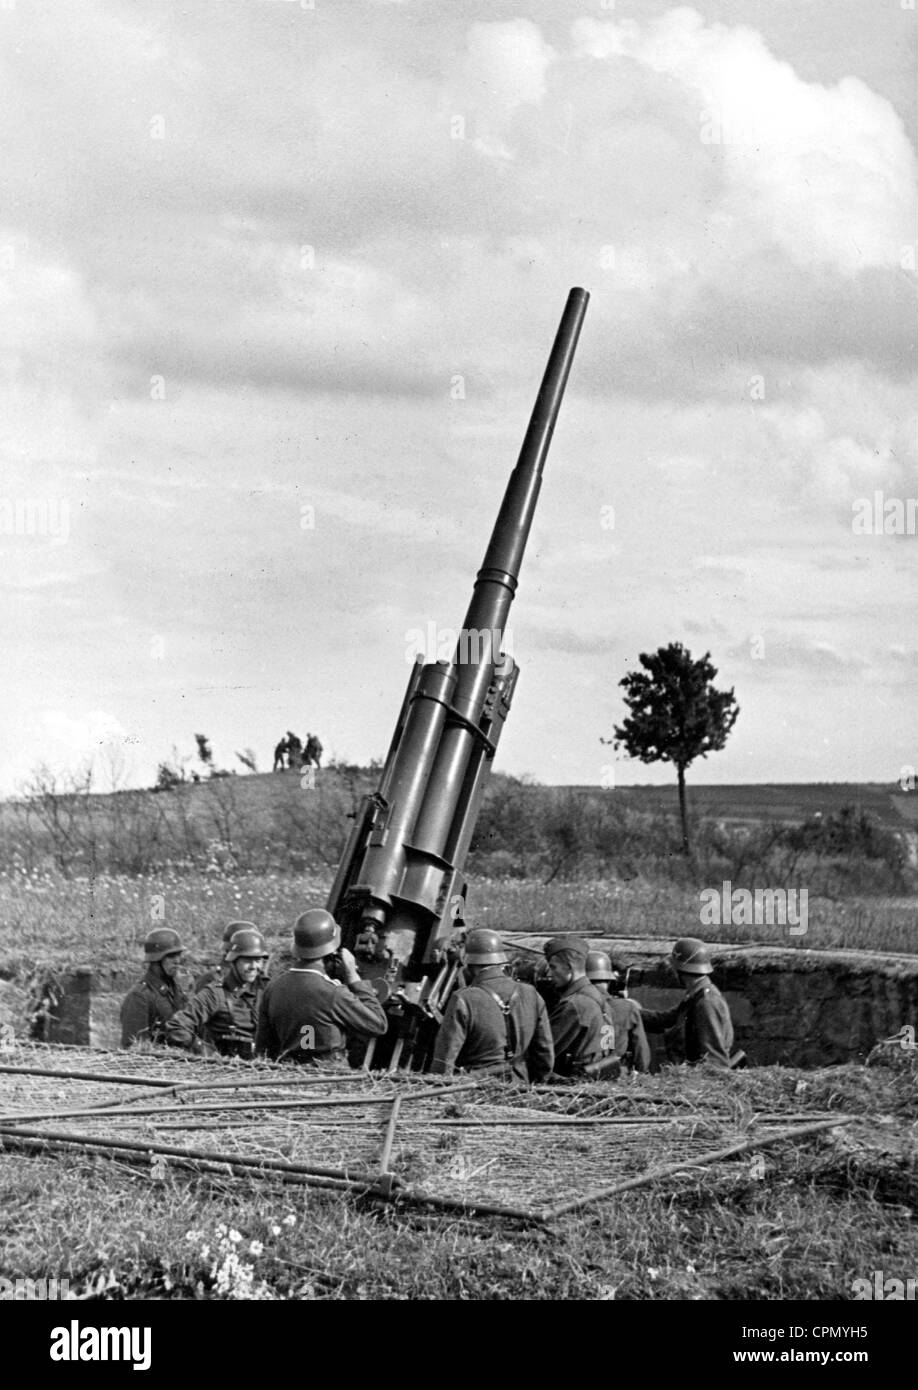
399 892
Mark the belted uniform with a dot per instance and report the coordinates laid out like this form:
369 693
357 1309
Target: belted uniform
495 1021
148 1006
305 1017
577 1022
223 1014
708 1025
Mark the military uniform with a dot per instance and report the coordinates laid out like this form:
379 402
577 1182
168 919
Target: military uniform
492 1022
605 1003
577 1022
211 976
708 1026
306 998
223 1014
631 1044
148 1006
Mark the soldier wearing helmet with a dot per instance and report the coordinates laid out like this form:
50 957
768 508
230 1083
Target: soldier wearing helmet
576 1017
630 1041
703 1011
149 1005
305 1014
222 1015
214 973
494 1023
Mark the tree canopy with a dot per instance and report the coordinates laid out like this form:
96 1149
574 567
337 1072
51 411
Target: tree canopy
675 714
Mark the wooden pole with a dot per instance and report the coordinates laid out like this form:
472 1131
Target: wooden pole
390 1135
671 1169
221 1107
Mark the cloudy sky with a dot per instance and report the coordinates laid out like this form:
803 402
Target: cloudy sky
264 265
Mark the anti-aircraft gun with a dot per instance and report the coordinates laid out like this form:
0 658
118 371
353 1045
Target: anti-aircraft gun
399 893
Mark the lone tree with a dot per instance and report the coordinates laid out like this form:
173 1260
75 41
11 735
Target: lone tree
675 714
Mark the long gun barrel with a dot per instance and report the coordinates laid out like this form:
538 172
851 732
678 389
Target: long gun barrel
399 890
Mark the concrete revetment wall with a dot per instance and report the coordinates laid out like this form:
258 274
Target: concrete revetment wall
789 1006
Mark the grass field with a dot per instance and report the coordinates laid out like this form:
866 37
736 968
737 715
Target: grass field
823 1214
772 801
805 1224
818 1216
45 919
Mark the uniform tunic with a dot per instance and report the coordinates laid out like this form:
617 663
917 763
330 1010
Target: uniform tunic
475 1032
631 1043
306 999
148 1006
577 1022
222 1014
605 1003
708 1026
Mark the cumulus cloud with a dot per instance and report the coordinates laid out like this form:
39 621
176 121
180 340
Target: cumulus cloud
344 248
827 173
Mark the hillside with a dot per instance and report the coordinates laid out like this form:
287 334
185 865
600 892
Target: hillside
292 821
259 795
772 801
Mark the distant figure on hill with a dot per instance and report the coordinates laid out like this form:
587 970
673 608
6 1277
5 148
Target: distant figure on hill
294 750
313 751
280 756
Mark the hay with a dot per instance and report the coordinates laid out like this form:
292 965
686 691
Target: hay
486 1146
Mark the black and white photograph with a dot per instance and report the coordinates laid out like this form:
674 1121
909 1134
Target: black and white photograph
458 740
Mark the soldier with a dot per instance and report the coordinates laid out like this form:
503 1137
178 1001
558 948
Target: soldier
280 756
305 1015
154 999
703 1011
294 751
630 1041
214 973
313 750
576 1017
494 1023
223 1014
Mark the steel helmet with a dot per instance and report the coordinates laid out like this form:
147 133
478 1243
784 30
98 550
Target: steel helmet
599 966
248 941
230 930
691 956
484 947
315 934
160 942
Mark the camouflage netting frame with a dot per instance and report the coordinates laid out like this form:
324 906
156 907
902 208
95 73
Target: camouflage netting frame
479 1146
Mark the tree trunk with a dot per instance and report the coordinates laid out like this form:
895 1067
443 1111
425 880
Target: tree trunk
686 850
